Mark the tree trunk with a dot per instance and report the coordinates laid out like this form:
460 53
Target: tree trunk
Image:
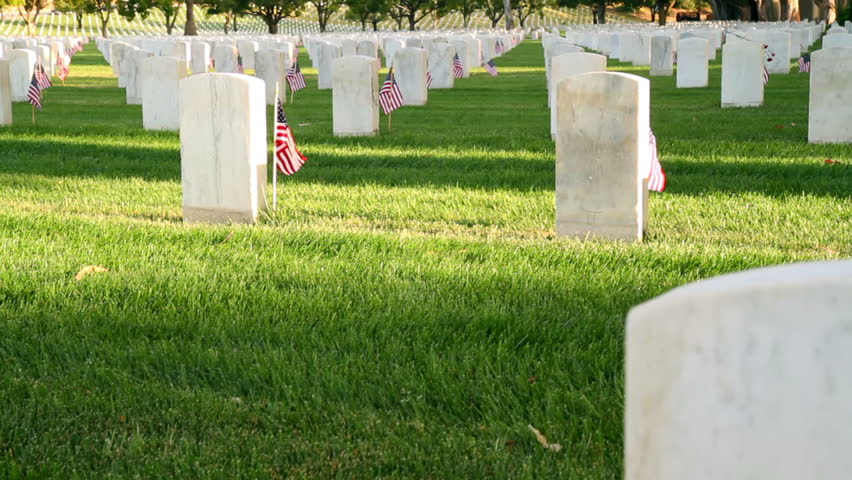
235 23
507 12
465 20
363 24
79 20
601 11
190 28
375 25
273 26
412 22
494 23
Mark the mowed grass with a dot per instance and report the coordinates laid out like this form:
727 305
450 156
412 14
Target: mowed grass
406 312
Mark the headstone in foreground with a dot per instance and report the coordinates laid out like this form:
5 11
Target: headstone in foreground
743 376
567 65
602 153
223 148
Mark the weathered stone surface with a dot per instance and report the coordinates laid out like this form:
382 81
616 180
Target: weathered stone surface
661 56
200 53
160 79
691 63
410 70
328 53
225 58
742 376
830 101
246 49
742 74
5 93
133 62
441 65
602 155
223 148
271 67
355 96
567 65
21 67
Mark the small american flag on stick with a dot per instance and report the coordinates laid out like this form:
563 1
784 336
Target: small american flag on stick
805 63
295 78
498 47
62 67
34 92
428 79
765 75
390 96
656 175
490 67
240 68
42 78
458 69
288 158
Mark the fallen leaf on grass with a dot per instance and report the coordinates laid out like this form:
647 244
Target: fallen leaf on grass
828 250
779 126
305 124
832 162
227 238
543 440
793 124
88 270
533 379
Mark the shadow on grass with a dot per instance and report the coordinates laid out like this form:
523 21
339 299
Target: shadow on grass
486 169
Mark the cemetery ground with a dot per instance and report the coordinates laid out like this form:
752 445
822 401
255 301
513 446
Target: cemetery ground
407 311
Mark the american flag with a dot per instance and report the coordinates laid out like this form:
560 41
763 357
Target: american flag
42 78
288 158
674 57
498 48
765 75
656 177
490 67
390 96
63 68
428 79
212 64
770 56
34 92
295 78
458 69
805 63
240 64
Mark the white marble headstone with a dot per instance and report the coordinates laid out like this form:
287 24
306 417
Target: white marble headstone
602 156
355 96
223 148
742 376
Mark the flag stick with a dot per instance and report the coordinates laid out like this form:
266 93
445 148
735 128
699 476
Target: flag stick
274 184
274 128
292 95
389 120
33 114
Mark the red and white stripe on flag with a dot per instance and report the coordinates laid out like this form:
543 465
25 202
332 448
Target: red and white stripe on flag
656 174
428 79
288 158
458 69
390 96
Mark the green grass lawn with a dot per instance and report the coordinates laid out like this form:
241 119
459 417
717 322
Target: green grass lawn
406 312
